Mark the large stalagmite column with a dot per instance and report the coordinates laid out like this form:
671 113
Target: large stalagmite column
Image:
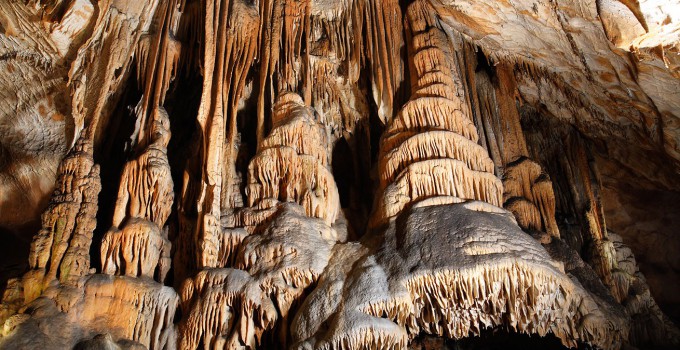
430 151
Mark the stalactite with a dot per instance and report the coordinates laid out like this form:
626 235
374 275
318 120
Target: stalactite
230 35
157 64
384 45
528 189
93 76
457 143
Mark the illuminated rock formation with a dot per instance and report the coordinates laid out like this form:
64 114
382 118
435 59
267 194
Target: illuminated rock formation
447 260
144 201
234 307
491 274
264 271
430 149
61 294
142 312
528 190
61 250
292 164
352 174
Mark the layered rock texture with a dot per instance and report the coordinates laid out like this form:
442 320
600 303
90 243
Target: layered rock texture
353 174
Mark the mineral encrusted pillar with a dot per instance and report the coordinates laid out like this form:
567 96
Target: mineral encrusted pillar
430 152
292 164
60 252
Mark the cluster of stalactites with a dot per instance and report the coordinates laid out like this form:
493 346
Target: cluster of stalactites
314 43
528 189
291 165
526 299
529 196
430 149
157 59
210 182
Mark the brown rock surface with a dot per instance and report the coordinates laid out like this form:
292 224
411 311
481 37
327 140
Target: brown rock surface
317 174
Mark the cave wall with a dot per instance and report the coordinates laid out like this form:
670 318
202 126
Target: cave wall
339 174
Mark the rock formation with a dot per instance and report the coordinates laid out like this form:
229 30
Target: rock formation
261 273
442 192
354 174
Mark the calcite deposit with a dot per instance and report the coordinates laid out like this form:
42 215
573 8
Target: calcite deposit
352 174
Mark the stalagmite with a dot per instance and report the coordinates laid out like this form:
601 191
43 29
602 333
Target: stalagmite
61 250
293 201
490 275
137 240
529 195
241 305
351 174
291 165
432 140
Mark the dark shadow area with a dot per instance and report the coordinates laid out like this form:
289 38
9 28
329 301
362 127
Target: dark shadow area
14 252
343 170
491 339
